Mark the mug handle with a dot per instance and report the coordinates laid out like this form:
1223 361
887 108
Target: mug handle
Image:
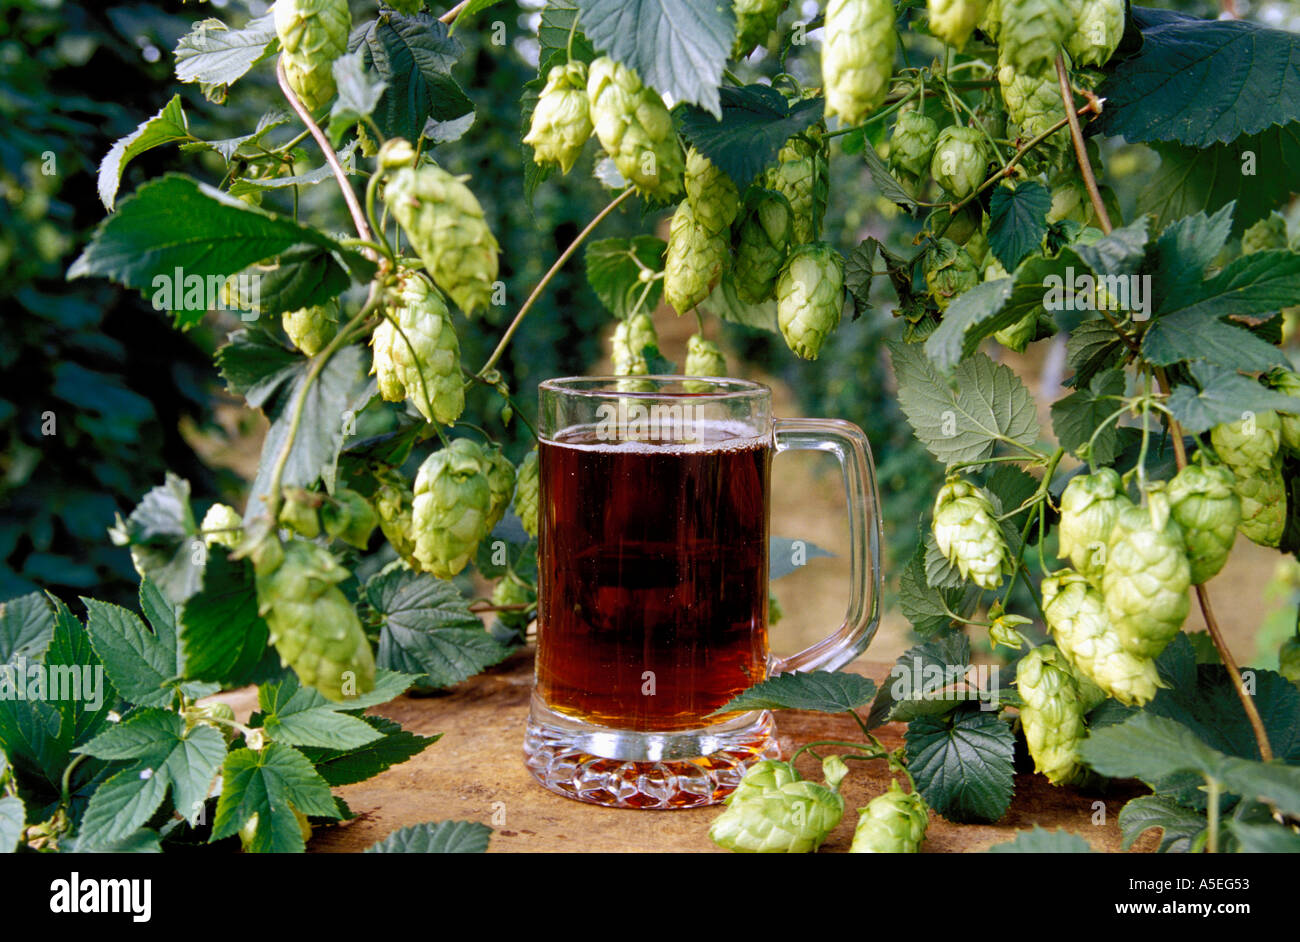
850 447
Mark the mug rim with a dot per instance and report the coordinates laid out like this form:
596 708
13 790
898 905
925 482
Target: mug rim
728 387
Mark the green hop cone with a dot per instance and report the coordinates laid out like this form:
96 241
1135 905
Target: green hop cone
857 57
417 354
1090 505
526 493
762 243
1146 578
711 193
312 624
629 342
762 776
703 358
792 818
800 175
313 33
1202 501
991 22
1076 615
453 501
774 610
393 503
222 525
1099 26
954 20
220 716
1249 447
1032 31
509 592
968 535
949 271
561 121
912 143
1017 336
1267 233
755 21
300 512
1284 381
349 517
1051 714
635 129
310 328
695 260
810 297
445 225
1288 659
959 160
409 7
1033 103
892 823
501 485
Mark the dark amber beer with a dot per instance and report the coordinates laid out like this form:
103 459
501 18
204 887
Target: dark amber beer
653 592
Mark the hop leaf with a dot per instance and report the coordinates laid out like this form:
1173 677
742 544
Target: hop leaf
810 297
635 129
1288 658
762 244
968 535
312 624
1076 615
450 513
526 493
892 823
1204 504
313 33
310 328
1146 577
960 157
417 354
561 120
954 20
1051 714
695 261
857 57
1090 504
445 225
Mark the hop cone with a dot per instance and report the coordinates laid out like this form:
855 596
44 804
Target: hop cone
1052 714
453 500
755 20
960 156
761 246
954 20
1018 335
762 776
510 592
711 193
949 271
635 129
393 503
809 297
1267 233
800 176
222 525
631 337
912 143
445 225
857 57
1032 30
1288 659
1090 504
1076 614
1250 450
349 517
1146 577
313 626
417 355
703 358
526 493
1033 102
695 260
892 823
1099 25
969 536
501 486
561 121
310 328
792 818
300 512
1284 381
1202 501
991 22
313 33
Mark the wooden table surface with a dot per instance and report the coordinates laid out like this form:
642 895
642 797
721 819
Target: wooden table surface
476 772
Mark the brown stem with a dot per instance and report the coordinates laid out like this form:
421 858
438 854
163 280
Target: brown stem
453 12
1080 148
1207 612
331 158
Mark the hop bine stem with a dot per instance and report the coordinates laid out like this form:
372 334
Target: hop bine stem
1080 149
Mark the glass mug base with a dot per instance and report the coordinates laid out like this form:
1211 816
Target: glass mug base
622 768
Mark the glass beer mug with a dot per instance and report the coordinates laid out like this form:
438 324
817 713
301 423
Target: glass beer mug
653 583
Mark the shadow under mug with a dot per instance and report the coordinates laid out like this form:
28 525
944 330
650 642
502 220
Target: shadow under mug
653 583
